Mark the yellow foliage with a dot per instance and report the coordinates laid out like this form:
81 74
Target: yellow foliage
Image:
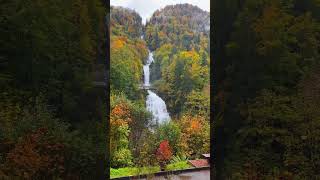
189 54
118 43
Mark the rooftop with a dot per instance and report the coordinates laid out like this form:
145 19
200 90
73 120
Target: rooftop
199 163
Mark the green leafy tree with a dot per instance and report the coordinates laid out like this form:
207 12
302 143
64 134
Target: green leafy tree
170 131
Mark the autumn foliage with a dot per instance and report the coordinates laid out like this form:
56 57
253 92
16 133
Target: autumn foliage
195 138
180 73
266 127
164 152
36 155
120 115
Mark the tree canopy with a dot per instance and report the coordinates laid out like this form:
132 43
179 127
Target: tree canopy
52 117
265 51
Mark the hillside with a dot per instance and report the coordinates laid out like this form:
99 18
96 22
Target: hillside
125 21
187 14
128 51
182 25
179 36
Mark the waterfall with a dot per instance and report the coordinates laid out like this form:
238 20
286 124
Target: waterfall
154 103
158 108
146 70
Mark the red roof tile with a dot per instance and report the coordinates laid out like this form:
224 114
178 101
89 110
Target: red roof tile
199 162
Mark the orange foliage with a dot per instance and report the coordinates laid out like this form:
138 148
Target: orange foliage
34 155
120 115
192 124
193 131
164 152
117 44
195 125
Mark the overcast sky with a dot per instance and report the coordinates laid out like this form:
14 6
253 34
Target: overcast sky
146 7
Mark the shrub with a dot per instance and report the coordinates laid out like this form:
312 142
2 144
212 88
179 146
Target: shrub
170 131
122 158
195 137
163 153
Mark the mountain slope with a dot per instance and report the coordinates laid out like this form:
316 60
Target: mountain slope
179 36
179 24
125 21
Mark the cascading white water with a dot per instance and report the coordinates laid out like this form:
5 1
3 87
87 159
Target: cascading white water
146 70
155 104
158 108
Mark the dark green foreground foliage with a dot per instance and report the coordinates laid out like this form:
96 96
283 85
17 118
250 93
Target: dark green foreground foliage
51 116
267 99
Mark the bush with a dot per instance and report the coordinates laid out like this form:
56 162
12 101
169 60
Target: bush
121 155
170 131
163 153
35 144
122 158
195 136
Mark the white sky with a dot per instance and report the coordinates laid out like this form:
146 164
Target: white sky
146 7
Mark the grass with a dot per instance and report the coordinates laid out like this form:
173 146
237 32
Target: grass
178 166
133 171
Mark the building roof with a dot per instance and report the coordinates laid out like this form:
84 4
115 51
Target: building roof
199 163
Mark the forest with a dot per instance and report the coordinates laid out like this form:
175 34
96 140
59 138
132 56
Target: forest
266 58
52 117
178 37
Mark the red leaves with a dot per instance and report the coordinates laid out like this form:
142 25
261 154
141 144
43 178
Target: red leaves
164 152
36 153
